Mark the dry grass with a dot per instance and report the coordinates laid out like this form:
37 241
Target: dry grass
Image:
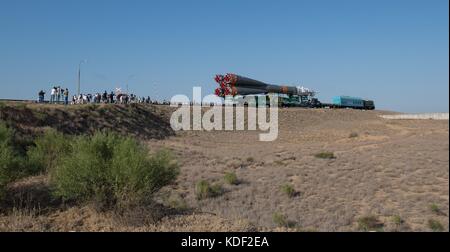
86 219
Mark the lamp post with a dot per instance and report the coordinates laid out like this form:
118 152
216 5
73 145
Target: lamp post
79 74
128 80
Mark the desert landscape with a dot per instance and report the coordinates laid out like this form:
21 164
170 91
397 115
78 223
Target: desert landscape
329 170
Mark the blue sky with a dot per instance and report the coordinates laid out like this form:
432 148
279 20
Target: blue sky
395 52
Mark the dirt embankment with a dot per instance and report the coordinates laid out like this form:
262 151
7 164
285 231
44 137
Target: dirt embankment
142 121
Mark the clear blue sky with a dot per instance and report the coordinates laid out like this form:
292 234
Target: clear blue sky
393 51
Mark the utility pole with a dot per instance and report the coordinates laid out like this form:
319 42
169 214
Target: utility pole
79 75
128 80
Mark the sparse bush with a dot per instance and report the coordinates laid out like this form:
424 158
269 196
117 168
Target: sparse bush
231 178
250 159
11 163
353 135
6 134
435 208
435 225
369 223
8 164
216 190
288 190
48 151
325 155
111 170
177 202
204 190
279 219
397 220
279 162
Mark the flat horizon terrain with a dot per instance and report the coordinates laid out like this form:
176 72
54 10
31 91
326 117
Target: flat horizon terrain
329 170
381 168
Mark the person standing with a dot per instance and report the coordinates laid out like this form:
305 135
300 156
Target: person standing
58 94
66 96
41 96
52 95
111 97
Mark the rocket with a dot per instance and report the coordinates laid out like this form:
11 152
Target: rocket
232 85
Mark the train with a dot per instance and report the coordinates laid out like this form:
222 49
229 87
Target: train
352 102
286 101
234 87
337 102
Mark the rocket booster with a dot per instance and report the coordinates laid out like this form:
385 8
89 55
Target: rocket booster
232 84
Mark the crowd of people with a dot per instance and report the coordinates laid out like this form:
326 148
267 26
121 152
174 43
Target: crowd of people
60 95
111 97
57 95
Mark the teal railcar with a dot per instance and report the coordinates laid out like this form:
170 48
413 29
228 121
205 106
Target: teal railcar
348 102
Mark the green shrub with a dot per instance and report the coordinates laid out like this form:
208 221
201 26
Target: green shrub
279 219
216 190
111 170
177 202
325 155
204 190
6 134
288 190
11 163
435 225
250 159
397 220
231 178
48 151
369 223
435 208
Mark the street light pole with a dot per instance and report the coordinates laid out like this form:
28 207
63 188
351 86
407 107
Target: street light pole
128 80
79 75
